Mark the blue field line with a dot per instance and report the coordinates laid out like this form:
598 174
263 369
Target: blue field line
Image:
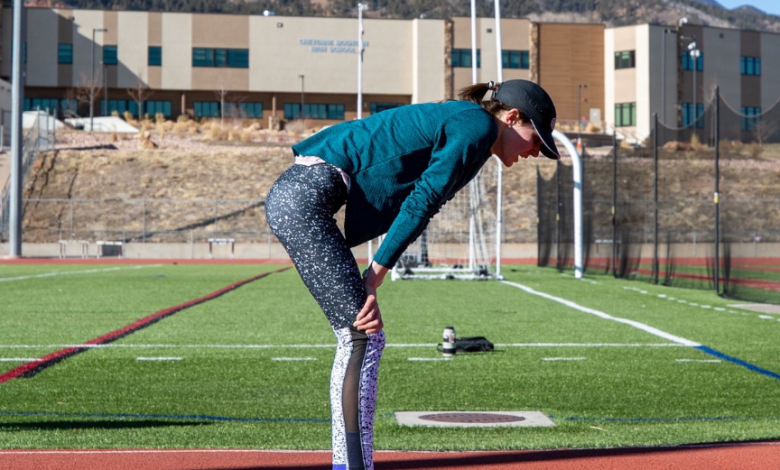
164 417
659 420
737 361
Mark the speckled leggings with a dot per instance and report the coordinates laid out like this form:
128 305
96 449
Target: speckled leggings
299 209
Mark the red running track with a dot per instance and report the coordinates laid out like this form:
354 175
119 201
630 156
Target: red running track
742 456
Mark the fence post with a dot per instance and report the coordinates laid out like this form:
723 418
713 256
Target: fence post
143 218
655 198
614 203
717 195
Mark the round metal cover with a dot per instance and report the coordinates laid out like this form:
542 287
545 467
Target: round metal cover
481 418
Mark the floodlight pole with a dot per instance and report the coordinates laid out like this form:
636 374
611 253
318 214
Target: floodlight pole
499 183
17 100
303 95
92 79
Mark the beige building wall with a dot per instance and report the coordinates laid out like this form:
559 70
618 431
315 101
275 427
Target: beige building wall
43 47
770 71
429 60
84 22
325 51
626 81
177 51
132 37
643 75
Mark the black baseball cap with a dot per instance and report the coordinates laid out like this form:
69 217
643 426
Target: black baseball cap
531 100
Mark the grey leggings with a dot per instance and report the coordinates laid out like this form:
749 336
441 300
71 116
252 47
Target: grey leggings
299 209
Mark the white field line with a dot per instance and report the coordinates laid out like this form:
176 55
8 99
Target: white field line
699 360
425 359
18 359
639 325
327 346
68 273
158 358
293 358
693 304
553 359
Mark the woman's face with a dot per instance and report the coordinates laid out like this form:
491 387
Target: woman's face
517 140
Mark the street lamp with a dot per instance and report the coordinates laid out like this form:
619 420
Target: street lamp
579 111
92 78
302 96
694 53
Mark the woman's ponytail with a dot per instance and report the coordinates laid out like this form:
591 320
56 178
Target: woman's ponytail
476 94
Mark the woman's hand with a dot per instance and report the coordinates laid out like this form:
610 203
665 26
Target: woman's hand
369 319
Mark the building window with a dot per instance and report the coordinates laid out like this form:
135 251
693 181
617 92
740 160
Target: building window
750 66
625 60
514 59
688 117
155 56
462 58
206 109
64 53
379 107
687 61
69 108
751 116
625 114
43 104
233 110
109 55
154 108
314 111
234 58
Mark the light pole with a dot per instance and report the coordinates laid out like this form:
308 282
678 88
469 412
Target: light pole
302 96
92 79
579 111
695 53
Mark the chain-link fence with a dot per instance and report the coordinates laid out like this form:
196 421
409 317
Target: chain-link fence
41 137
699 208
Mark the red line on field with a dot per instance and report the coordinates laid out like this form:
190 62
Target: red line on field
32 368
725 456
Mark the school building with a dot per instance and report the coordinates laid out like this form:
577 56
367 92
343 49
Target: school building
277 68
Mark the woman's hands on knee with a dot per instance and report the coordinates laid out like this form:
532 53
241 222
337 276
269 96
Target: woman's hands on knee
370 318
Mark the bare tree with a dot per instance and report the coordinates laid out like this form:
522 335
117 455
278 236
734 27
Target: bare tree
764 129
88 90
140 94
222 93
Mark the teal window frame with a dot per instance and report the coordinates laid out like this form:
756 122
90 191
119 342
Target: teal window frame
515 59
687 62
750 66
688 117
332 111
231 58
202 109
155 107
155 56
65 53
110 55
751 116
379 107
462 58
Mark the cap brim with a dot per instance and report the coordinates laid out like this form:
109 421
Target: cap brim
548 148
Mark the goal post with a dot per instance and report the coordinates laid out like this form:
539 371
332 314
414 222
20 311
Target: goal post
461 241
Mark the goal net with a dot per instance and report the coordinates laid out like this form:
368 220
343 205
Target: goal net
461 240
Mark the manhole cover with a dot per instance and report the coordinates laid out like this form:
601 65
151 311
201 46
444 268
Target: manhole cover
471 418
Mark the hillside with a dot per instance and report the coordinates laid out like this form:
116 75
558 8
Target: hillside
611 12
188 186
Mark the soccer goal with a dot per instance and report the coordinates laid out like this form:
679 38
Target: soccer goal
461 242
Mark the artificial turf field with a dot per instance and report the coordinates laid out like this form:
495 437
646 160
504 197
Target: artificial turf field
612 362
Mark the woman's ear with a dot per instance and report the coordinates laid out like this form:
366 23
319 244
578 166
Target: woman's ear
511 117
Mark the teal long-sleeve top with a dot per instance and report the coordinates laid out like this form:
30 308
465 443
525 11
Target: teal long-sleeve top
404 164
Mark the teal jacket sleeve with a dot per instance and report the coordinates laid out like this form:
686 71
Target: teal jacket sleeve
461 143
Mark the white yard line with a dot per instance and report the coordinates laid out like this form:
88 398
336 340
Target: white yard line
638 325
68 273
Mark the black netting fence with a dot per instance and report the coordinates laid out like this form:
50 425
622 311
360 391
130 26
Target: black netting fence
651 213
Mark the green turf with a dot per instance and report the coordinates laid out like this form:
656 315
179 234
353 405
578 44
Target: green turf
223 395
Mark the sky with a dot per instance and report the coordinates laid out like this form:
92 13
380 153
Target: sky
769 6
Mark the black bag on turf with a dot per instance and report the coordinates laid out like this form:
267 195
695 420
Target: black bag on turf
473 344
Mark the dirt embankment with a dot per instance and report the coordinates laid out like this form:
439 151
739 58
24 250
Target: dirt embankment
110 186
